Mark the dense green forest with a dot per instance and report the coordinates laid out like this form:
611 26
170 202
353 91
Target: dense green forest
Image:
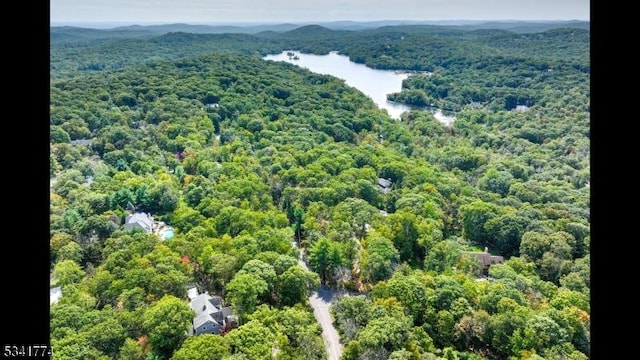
243 157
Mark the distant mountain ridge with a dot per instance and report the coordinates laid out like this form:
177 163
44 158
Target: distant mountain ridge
517 26
82 35
210 29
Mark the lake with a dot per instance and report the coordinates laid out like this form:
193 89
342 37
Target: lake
372 82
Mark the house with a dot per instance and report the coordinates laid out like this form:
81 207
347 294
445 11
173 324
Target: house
147 224
139 221
82 142
485 258
211 317
384 185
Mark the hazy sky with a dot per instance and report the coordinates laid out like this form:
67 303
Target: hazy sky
268 11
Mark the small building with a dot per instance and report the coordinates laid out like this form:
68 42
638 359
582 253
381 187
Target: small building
522 108
485 258
139 221
384 185
211 317
82 142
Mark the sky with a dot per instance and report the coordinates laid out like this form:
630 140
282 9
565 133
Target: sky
295 11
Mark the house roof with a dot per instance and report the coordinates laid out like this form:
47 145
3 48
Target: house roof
485 258
141 219
385 185
226 311
192 293
208 309
205 303
218 317
85 142
203 319
221 315
200 303
384 182
216 301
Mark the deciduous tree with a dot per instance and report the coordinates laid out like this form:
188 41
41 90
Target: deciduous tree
167 322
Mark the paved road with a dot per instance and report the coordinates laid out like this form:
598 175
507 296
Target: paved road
320 301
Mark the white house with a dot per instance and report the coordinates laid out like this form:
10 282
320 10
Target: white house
145 222
211 317
384 185
141 221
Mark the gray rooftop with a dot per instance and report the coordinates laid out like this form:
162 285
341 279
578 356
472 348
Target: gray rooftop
485 258
192 293
202 319
83 142
141 219
209 309
385 185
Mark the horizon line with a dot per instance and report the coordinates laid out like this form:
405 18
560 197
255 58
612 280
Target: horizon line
267 22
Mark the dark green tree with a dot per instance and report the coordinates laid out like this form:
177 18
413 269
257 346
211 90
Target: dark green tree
167 322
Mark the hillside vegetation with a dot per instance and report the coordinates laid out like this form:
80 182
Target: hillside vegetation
243 156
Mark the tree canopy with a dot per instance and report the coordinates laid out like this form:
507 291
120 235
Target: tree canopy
255 164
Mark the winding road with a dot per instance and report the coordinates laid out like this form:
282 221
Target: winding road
320 301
